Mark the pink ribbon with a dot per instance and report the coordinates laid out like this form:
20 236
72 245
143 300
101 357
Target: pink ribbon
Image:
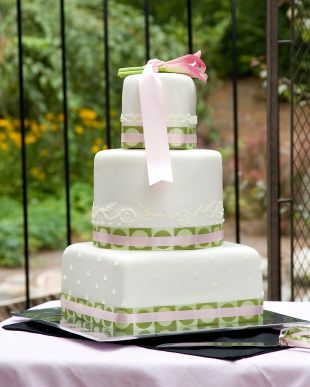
142 241
154 127
153 111
161 316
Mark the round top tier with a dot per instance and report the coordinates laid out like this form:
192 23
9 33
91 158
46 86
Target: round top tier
179 100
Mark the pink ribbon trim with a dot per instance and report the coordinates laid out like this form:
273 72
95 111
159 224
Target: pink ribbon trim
174 138
161 316
154 127
140 241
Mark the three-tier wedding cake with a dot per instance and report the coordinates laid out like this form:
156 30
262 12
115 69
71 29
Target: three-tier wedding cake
158 262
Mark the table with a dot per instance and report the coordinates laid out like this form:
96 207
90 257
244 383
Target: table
32 360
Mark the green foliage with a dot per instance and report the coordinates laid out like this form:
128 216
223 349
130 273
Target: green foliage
47 229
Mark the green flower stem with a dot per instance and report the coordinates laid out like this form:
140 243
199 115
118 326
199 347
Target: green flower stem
125 71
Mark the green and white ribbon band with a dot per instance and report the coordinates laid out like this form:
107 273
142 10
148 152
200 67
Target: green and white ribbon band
157 319
184 238
178 138
296 336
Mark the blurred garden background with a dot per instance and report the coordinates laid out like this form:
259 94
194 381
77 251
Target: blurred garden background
44 118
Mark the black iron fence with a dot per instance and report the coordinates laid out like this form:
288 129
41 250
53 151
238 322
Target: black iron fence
299 200
297 204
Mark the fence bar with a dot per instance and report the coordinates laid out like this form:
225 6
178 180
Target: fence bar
189 26
292 93
23 150
273 213
147 29
107 72
65 114
235 115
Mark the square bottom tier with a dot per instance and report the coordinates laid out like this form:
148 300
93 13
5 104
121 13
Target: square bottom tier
151 292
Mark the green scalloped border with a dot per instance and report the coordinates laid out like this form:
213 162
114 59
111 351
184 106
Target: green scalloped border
140 145
148 231
136 329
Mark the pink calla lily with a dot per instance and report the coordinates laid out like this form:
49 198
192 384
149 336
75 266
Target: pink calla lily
191 65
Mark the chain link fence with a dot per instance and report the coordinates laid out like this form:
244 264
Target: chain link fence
301 151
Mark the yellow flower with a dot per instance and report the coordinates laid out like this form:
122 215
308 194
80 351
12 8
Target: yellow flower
79 129
95 148
94 124
49 116
37 173
42 128
3 146
3 122
30 138
16 138
35 128
54 127
98 145
2 136
87 114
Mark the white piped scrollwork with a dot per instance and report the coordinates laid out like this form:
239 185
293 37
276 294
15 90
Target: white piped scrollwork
171 119
109 213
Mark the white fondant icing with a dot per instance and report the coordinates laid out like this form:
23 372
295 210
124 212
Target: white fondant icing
160 274
179 98
122 194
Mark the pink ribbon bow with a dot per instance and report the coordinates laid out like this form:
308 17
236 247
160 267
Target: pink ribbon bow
153 111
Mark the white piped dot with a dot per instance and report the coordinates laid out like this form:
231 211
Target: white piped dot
64 277
113 291
70 292
215 284
116 263
87 273
99 259
80 255
96 285
71 267
105 277
86 297
78 282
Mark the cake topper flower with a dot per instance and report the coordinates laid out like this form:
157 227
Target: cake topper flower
191 65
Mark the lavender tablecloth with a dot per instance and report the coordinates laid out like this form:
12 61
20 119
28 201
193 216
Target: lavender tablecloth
31 360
